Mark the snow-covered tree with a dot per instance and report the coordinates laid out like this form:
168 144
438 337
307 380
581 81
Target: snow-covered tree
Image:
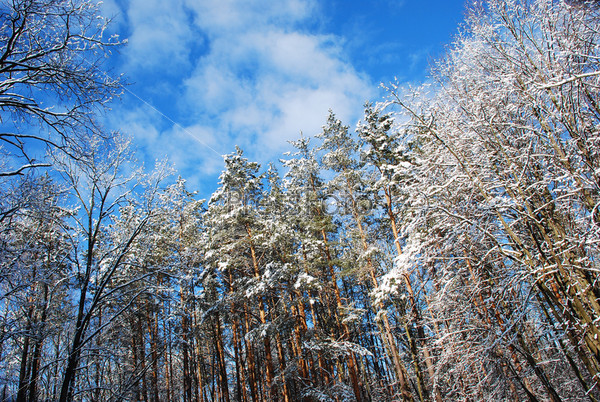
51 78
319 256
509 198
113 210
35 253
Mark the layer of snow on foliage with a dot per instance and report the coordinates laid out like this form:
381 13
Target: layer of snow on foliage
305 279
403 264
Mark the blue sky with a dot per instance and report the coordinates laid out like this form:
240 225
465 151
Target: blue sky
207 75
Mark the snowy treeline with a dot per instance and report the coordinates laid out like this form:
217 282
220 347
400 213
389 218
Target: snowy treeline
446 248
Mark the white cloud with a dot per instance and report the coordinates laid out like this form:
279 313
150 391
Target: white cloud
222 17
270 85
259 81
161 35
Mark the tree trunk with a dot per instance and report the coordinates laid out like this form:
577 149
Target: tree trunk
152 325
23 373
224 387
263 319
250 357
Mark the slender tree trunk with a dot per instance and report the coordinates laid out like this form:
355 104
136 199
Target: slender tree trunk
151 322
142 355
411 295
322 375
23 374
263 319
169 366
187 375
389 340
81 324
250 357
224 387
135 360
239 370
66 392
199 356
281 356
39 341
352 366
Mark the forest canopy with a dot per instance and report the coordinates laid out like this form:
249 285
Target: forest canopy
444 248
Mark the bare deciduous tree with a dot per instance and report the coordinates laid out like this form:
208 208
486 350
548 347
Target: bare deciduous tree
51 77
